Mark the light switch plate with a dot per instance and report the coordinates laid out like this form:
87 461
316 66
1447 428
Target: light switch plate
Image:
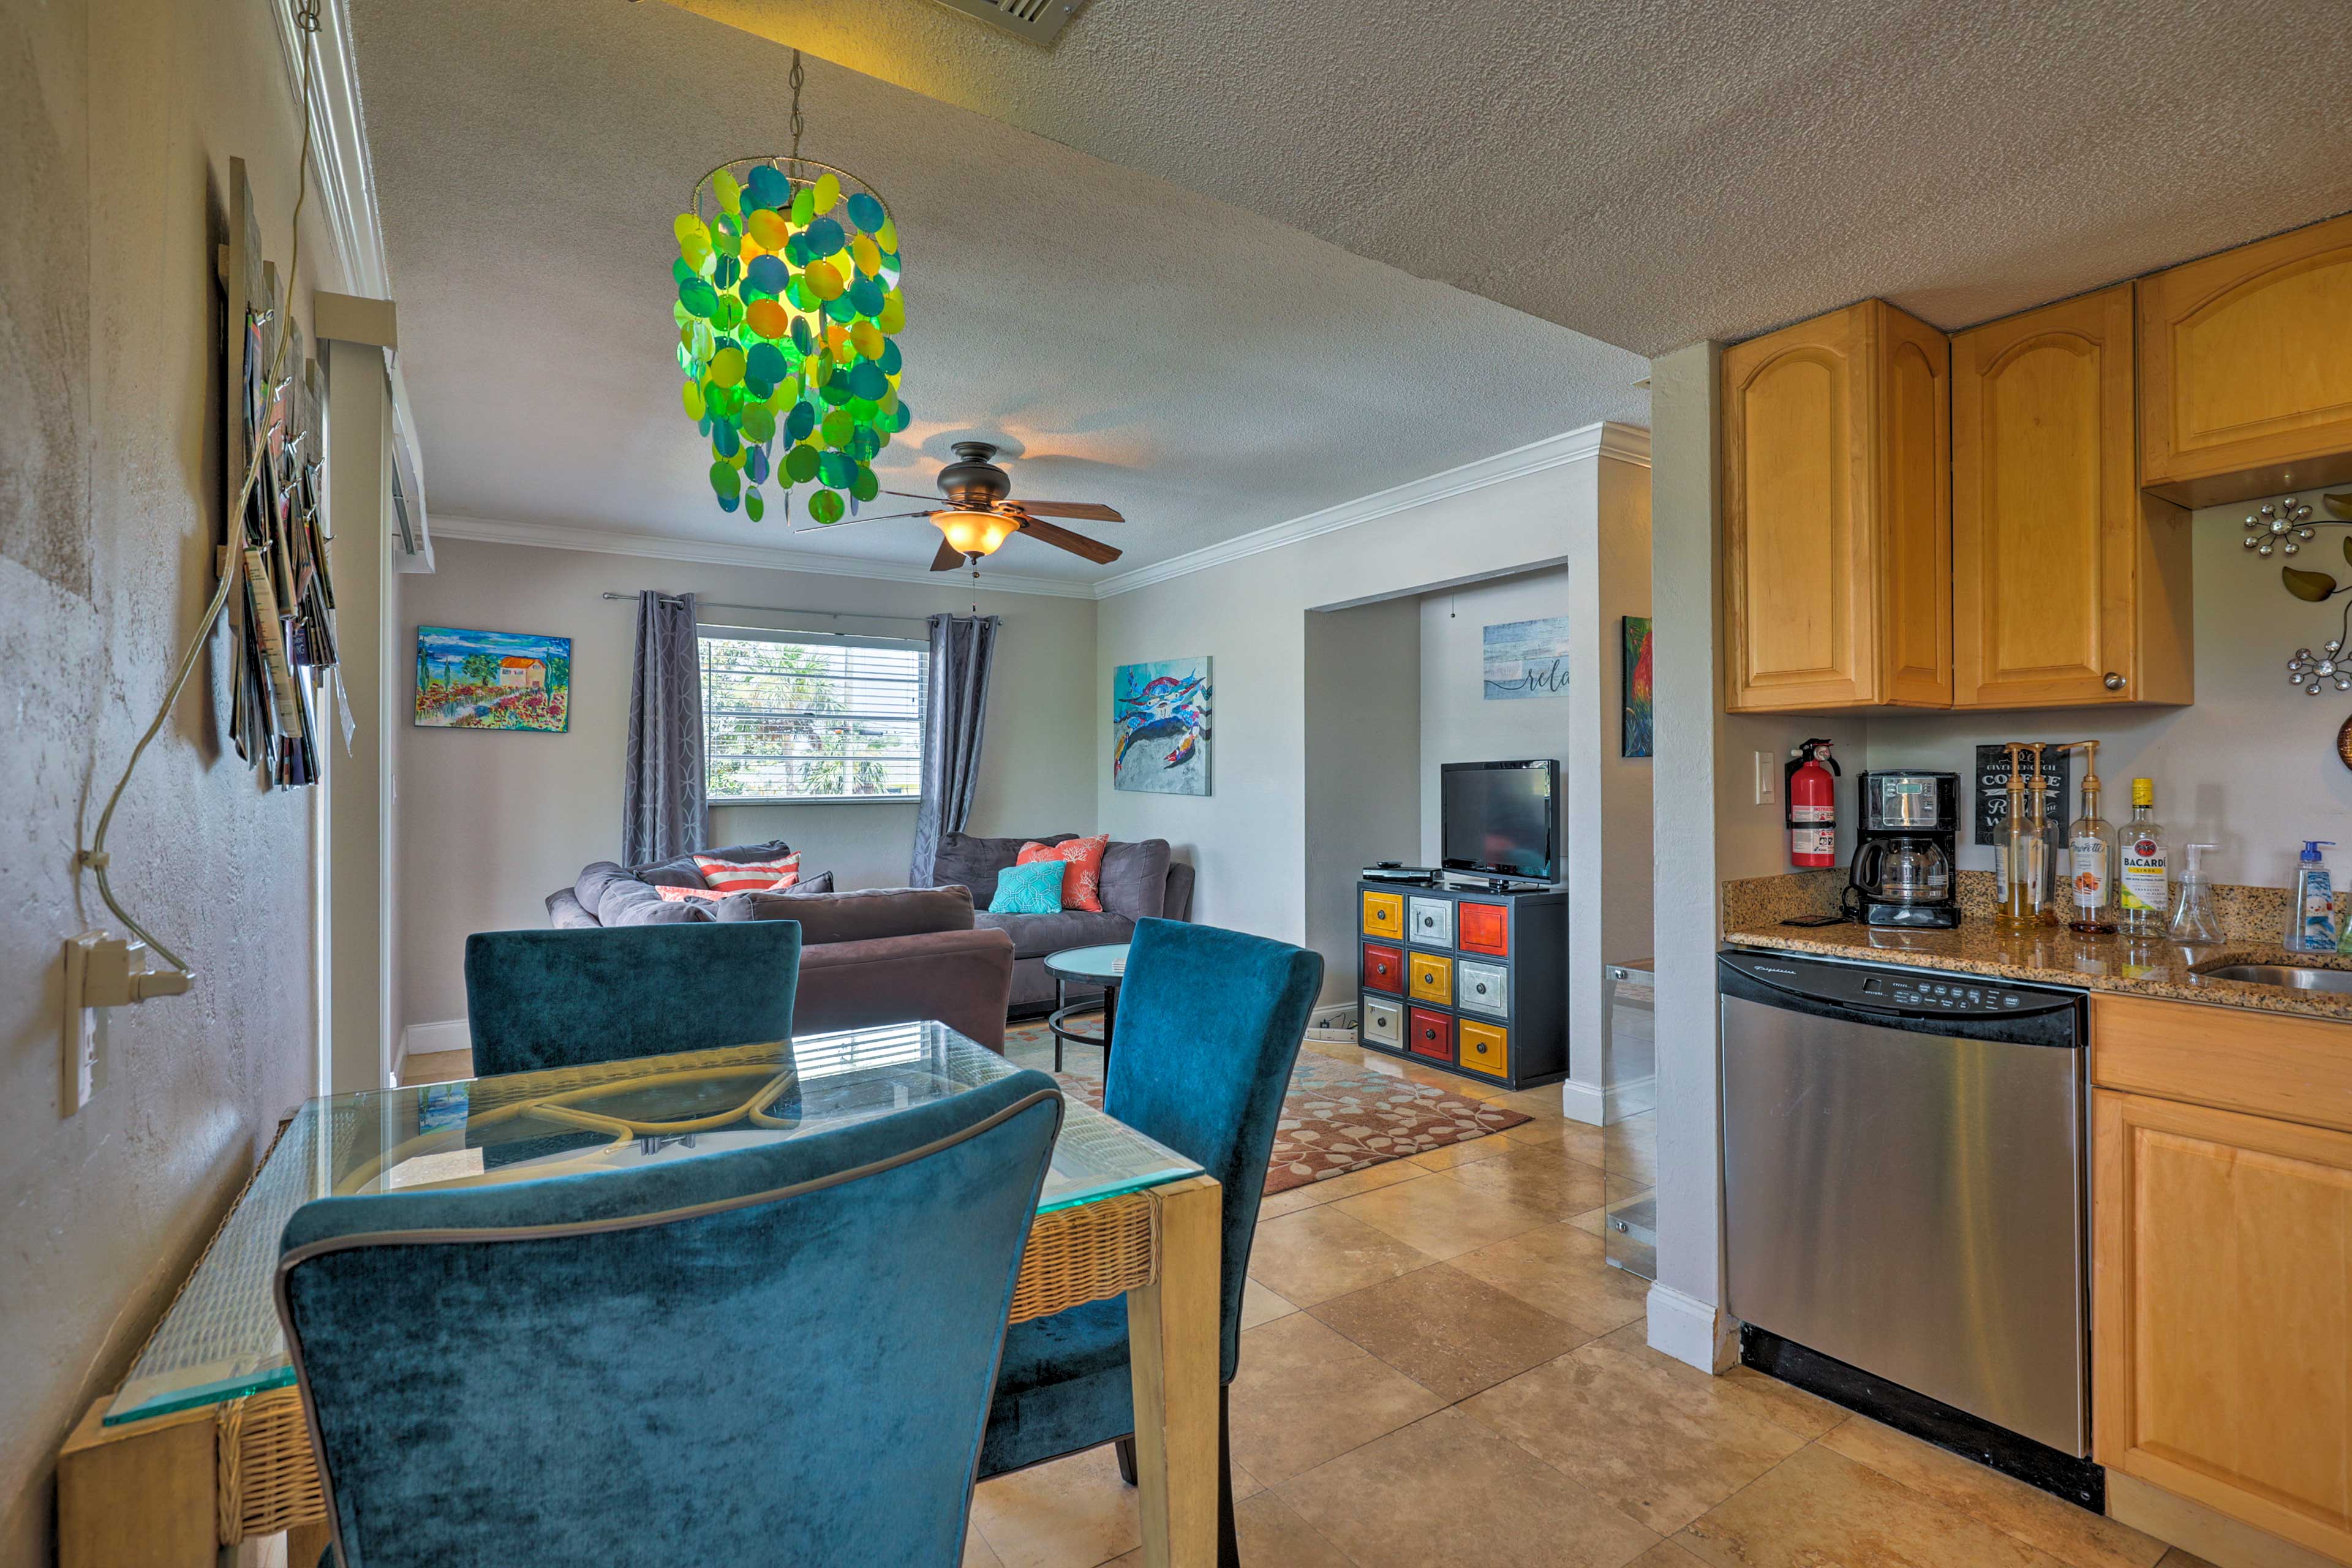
1768 773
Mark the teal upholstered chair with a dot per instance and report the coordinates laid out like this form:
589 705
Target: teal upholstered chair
1209 1027
539 999
781 1353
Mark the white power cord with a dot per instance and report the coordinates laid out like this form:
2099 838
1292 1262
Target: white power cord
95 857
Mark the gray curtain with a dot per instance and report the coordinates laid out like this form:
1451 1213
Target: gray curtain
955 709
661 789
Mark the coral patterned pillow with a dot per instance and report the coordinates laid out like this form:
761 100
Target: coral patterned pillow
749 875
679 895
1082 889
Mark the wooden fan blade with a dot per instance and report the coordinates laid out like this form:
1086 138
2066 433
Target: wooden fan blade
1091 510
947 558
1060 538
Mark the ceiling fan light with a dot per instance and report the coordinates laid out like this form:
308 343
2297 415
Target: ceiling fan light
974 532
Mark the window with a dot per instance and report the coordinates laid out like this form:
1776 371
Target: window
789 717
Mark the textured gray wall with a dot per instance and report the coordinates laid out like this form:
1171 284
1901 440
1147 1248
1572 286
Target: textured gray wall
117 124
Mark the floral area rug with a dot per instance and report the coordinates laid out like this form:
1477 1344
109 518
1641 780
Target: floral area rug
1335 1117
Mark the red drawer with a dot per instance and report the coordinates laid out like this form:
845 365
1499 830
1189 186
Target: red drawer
1384 968
1483 928
1429 1033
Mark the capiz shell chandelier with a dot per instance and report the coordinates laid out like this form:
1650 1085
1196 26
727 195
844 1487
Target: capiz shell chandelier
788 302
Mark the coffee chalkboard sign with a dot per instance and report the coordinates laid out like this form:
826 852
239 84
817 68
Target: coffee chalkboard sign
1992 790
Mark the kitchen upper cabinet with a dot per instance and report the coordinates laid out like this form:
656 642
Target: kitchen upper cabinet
1837 522
2222 1261
2246 369
2069 586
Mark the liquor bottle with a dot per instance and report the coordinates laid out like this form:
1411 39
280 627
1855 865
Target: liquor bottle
2091 843
2144 890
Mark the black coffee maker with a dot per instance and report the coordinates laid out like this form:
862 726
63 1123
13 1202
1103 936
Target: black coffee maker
1903 872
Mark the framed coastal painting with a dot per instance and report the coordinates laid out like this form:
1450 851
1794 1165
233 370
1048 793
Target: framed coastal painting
1526 659
1635 742
492 680
1159 727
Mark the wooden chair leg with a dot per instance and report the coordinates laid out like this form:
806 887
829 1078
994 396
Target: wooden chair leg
1229 1546
1125 1449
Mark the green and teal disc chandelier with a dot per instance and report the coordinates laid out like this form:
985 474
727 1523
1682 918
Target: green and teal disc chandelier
787 307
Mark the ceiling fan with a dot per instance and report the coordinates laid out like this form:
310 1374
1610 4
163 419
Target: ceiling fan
980 514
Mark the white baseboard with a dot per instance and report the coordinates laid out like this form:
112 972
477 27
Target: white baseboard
1692 1331
1599 1106
424 1039
1333 1023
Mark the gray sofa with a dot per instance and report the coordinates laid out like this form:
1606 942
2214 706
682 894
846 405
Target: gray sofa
1140 881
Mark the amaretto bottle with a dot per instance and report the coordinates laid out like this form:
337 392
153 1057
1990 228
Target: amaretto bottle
2144 890
2090 842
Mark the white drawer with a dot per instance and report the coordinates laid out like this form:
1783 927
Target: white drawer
1482 988
1384 1023
1431 921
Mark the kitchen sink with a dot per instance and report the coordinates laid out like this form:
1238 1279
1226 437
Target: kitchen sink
2281 975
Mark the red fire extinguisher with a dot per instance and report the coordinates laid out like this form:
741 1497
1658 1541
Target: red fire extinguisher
1812 805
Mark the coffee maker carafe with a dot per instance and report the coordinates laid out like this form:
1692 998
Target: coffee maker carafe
1903 872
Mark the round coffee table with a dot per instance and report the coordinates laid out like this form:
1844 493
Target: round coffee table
1104 965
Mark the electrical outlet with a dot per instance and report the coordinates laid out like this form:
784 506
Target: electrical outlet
1768 775
104 972
85 1027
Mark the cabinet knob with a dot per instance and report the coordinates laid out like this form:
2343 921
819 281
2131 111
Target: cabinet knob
2116 682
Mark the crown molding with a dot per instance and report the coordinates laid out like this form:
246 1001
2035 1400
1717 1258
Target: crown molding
339 145
1625 443
560 536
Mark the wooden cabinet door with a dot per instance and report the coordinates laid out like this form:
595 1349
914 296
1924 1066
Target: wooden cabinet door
2045 506
1836 514
2221 1312
2245 386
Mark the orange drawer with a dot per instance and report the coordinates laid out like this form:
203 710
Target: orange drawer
1384 968
1486 1049
1384 914
1431 978
1429 1034
1483 928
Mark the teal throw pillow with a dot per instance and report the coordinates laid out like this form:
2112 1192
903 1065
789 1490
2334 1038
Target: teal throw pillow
1032 890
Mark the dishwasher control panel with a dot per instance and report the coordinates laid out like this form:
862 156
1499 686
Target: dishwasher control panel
1951 995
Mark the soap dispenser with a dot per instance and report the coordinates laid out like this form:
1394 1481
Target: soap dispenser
2193 918
2311 921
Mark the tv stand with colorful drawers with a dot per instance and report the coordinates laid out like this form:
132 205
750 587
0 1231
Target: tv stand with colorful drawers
1465 979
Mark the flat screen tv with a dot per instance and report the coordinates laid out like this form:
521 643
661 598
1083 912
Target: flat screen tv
1501 818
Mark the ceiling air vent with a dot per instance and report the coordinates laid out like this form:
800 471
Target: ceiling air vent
1038 21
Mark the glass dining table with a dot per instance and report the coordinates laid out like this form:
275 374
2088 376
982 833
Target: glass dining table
1119 1214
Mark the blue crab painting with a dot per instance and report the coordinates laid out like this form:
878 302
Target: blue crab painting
1159 727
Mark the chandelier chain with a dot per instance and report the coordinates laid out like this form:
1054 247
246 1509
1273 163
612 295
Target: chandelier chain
799 75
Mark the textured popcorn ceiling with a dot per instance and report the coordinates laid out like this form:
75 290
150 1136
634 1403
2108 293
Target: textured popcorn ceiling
1655 171
1205 369
1222 264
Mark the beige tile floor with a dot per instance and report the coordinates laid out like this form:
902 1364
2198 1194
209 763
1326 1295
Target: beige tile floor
1438 1368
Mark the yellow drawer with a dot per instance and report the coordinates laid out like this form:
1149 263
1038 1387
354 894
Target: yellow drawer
1384 914
1429 977
1485 1048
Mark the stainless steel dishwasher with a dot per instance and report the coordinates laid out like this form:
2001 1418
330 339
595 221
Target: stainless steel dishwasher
1904 1183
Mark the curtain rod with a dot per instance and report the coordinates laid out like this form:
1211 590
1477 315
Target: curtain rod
781 610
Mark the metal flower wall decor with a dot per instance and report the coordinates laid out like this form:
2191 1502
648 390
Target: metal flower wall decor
2284 527
788 299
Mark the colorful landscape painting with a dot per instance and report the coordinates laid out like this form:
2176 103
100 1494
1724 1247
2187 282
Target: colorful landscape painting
1526 659
1159 727
492 680
1636 740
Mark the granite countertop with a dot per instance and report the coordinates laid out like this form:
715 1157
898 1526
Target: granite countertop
2056 956
1754 908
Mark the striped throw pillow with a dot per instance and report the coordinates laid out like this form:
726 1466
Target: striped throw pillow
679 895
749 875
